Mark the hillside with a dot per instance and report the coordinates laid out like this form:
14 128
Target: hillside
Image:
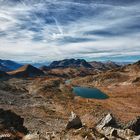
3 68
3 74
26 71
128 74
104 66
8 65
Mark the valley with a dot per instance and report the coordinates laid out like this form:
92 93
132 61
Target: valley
45 100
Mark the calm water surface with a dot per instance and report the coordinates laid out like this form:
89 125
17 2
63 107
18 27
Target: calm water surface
89 93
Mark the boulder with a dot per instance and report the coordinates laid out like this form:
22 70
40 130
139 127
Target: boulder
111 132
109 128
125 134
74 122
109 120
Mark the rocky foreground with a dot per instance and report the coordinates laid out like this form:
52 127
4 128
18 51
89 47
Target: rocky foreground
11 128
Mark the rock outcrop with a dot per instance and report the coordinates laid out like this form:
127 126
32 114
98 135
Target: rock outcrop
74 122
109 120
11 125
107 129
111 130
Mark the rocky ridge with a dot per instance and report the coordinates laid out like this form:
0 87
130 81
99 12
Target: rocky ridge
26 71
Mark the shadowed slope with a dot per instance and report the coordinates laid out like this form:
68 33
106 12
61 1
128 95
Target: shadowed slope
3 74
26 71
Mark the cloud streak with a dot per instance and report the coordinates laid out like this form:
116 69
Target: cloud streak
46 30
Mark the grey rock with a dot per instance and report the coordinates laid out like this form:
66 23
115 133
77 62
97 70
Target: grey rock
111 133
109 128
125 134
107 121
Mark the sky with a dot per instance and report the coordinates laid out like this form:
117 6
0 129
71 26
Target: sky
48 30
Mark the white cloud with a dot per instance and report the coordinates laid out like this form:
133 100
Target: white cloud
32 31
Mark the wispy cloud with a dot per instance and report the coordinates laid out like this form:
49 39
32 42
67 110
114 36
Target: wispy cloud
46 30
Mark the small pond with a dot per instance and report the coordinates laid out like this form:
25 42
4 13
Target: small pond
89 93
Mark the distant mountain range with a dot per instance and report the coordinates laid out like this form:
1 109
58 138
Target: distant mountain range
84 64
8 65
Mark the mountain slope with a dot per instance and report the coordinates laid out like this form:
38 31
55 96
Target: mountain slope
26 71
70 63
44 68
126 75
8 65
112 65
3 74
104 66
3 68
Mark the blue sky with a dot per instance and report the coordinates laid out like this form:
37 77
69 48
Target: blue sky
47 30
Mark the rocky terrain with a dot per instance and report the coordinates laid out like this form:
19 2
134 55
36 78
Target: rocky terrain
37 104
104 66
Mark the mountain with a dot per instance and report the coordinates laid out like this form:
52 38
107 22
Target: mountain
112 65
8 65
104 66
98 65
126 75
26 71
70 63
132 68
44 68
3 74
3 68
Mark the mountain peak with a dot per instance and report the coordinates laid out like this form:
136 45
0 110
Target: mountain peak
70 63
27 71
27 67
